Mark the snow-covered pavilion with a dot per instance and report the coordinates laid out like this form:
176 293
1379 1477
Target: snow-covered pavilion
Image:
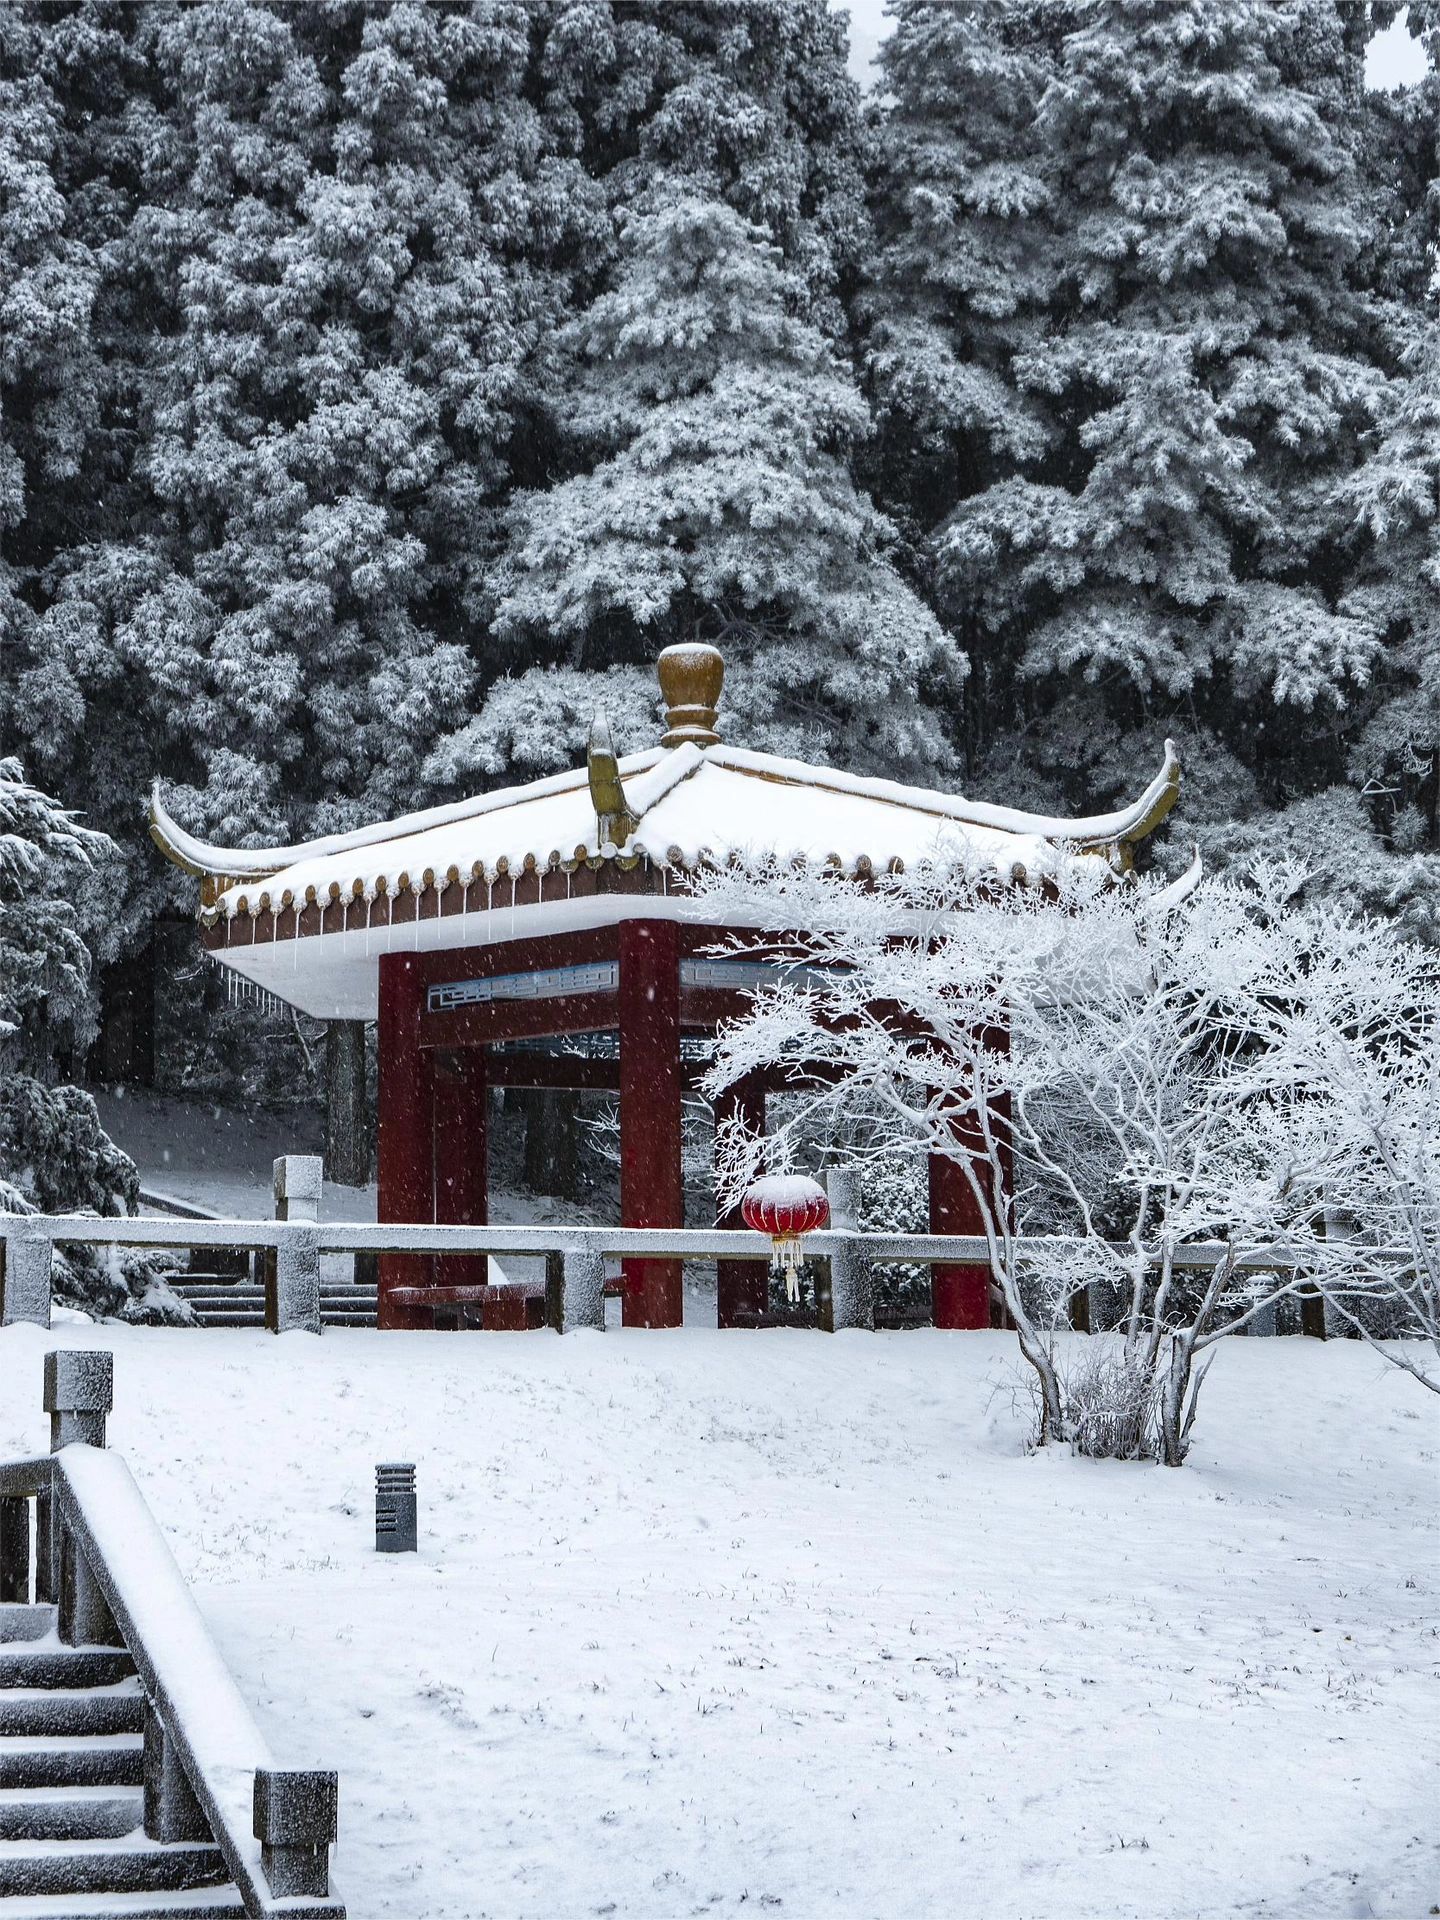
562 908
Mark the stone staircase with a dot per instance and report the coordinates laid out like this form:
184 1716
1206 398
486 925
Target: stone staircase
220 1300
72 1770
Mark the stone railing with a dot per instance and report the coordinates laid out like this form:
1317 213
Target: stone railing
290 1245
101 1562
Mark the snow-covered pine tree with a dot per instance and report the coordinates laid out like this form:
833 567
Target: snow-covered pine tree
78 700
329 419
960 196
1395 494
959 193
750 102
48 373
53 1152
1199 359
720 504
710 131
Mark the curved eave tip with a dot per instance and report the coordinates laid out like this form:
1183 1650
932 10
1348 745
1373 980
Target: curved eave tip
1179 891
168 834
1159 800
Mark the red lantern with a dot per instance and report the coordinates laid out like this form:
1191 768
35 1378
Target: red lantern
786 1206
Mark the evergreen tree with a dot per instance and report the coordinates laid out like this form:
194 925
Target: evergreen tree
77 696
1395 495
48 371
362 267
749 102
721 506
960 194
53 1152
709 131
1189 358
963 265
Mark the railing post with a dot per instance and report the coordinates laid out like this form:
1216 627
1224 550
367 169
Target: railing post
25 1259
47 1548
292 1285
852 1286
171 1810
582 1293
14 1551
79 1392
83 1616
296 1824
292 1270
1262 1325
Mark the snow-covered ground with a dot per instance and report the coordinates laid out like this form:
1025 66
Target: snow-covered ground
729 1623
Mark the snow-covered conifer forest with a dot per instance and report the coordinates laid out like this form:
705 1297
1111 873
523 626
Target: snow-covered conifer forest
382 384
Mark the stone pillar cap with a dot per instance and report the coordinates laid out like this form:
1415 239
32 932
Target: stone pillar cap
78 1380
298 1176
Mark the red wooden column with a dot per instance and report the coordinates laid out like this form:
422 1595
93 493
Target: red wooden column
651 1190
461 1159
961 1292
741 1286
405 1152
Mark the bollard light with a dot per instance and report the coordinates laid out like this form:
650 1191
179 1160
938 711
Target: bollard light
396 1524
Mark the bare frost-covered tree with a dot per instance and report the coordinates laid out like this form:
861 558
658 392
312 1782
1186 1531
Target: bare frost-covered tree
1347 1047
1094 1057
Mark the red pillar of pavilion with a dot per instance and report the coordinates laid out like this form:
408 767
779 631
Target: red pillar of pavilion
651 1189
960 1293
405 1150
459 1120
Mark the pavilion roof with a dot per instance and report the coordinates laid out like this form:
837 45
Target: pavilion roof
692 807
647 821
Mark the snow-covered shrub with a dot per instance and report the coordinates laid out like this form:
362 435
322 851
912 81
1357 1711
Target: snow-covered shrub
1112 1396
56 1153
120 1283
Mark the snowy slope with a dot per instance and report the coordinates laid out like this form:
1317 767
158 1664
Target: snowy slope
738 1623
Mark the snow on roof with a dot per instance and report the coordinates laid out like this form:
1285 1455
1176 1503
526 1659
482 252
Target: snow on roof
691 803
694 808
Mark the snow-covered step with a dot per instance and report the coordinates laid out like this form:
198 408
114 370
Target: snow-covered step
105 1866
88 1760
248 1297
64 1710
21 1621
199 1903
53 1665
68 1813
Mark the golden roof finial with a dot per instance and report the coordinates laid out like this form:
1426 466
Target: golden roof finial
691 676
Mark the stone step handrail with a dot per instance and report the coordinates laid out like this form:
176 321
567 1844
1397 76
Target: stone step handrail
102 1561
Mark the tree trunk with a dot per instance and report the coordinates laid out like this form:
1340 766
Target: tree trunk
124 1050
347 1112
552 1158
